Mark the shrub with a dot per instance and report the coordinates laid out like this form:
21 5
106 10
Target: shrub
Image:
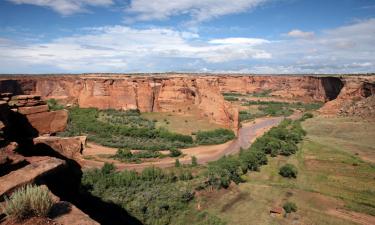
288 170
53 105
306 116
220 173
28 201
177 163
175 153
290 207
217 136
123 154
108 168
194 161
230 98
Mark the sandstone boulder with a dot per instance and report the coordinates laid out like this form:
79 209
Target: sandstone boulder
33 109
69 147
49 122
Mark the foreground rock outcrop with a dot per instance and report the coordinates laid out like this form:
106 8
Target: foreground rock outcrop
27 158
38 119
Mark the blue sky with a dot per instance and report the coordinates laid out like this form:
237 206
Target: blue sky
239 36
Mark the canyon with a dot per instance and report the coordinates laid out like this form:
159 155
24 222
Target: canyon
30 153
180 93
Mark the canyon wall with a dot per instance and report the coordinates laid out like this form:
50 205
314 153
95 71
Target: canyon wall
304 88
179 94
356 91
185 92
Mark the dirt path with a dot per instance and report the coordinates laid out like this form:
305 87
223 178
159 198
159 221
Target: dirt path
204 154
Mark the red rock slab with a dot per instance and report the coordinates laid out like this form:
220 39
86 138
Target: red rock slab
49 122
38 167
70 147
32 110
25 97
277 210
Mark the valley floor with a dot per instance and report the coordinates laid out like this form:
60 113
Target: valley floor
96 155
335 183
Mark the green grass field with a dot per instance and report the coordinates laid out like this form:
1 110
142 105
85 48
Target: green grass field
333 180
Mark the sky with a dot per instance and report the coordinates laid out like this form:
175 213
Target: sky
215 36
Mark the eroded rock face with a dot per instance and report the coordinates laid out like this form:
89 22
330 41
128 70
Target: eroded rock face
147 93
354 89
304 88
179 92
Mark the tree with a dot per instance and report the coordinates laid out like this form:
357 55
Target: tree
108 168
177 163
289 171
174 152
290 207
194 161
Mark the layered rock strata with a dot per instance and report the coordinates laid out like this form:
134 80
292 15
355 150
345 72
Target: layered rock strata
41 160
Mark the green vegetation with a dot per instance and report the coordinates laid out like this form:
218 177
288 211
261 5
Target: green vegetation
177 163
213 137
231 98
280 140
53 105
228 94
194 161
154 196
125 155
289 171
272 108
335 178
28 201
245 115
175 152
127 129
290 207
265 93
123 129
170 191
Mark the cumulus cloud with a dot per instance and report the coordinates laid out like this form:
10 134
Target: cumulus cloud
239 41
345 49
118 47
198 10
300 34
65 7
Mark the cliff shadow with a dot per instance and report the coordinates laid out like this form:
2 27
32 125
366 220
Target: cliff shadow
17 127
66 184
11 86
332 87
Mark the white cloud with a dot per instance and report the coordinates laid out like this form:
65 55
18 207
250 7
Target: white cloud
345 49
300 34
239 41
65 7
120 48
199 11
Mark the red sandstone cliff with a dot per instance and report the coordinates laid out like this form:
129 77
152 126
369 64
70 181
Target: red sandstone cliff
147 93
304 88
181 93
355 89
